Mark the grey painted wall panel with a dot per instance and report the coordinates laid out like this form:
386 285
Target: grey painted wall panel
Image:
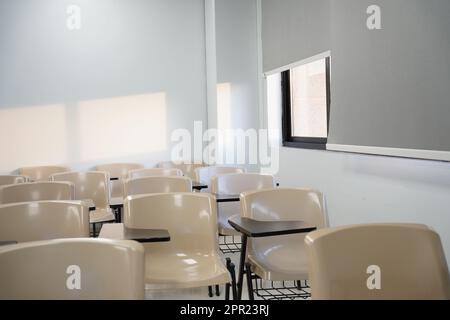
391 87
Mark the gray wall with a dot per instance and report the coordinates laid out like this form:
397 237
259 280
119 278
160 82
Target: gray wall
366 189
293 30
65 89
390 87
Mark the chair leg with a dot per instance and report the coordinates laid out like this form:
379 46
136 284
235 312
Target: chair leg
210 291
233 281
93 230
231 269
248 273
217 290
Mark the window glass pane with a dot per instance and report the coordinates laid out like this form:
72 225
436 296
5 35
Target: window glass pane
309 100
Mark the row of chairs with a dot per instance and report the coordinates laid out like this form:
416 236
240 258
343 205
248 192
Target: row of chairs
190 259
287 258
409 258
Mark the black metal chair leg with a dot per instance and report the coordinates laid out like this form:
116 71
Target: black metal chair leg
233 281
210 291
217 290
232 270
248 273
227 291
93 230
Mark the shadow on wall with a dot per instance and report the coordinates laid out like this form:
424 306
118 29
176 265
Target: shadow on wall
83 132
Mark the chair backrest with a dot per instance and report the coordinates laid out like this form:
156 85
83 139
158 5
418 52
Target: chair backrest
205 174
150 185
12 179
37 191
92 185
283 204
120 171
235 183
72 269
41 173
44 220
188 169
154 172
190 218
379 261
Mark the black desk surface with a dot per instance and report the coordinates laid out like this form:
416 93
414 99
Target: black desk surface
7 243
227 197
117 231
256 229
146 236
199 185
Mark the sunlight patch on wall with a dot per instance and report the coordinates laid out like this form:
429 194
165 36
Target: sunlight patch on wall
122 126
224 106
34 135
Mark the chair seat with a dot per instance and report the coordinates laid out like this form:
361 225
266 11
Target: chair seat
287 261
101 215
170 271
224 227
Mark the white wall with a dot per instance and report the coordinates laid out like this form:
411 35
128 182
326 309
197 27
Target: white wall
237 64
366 189
112 91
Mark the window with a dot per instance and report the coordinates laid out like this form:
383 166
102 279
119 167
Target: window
306 105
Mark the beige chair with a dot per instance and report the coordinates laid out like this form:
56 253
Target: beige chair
37 191
150 185
120 171
232 184
205 174
191 258
154 172
72 269
281 258
12 179
93 186
44 220
378 261
41 173
188 169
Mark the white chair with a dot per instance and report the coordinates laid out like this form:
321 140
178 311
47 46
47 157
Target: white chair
205 174
191 258
37 191
72 269
377 261
12 179
91 186
41 173
119 171
188 169
150 185
43 220
281 258
154 172
234 184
